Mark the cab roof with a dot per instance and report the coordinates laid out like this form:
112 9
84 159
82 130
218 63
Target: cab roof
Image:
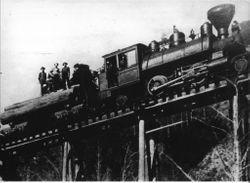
123 50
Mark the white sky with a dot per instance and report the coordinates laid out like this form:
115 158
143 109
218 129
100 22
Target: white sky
37 33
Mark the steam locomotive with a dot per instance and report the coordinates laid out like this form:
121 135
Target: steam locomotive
140 70
165 67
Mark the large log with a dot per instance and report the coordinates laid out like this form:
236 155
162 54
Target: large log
51 102
19 104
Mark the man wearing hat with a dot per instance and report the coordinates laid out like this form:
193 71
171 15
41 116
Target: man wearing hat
55 77
235 45
83 76
236 35
42 77
65 76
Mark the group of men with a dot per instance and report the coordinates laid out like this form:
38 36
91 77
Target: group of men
60 79
55 80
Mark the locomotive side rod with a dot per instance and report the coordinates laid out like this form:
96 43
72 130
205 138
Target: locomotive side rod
199 71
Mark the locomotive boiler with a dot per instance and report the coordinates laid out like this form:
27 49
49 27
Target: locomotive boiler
137 70
169 66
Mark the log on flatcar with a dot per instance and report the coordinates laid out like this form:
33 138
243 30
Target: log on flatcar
50 103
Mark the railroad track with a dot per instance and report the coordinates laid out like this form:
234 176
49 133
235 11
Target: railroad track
159 105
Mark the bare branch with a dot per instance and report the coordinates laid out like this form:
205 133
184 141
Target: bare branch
124 168
240 122
133 154
203 122
53 166
223 115
245 167
244 137
245 154
35 174
179 167
127 162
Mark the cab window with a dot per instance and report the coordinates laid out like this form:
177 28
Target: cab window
127 59
131 58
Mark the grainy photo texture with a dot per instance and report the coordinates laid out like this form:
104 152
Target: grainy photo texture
125 90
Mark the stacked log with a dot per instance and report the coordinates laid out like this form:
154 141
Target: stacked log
52 102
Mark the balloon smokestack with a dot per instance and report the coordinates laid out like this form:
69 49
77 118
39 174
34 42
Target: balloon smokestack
221 17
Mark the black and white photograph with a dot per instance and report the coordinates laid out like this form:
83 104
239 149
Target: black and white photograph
125 90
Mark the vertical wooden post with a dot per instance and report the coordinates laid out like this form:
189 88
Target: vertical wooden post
149 163
146 166
248 143
69 167
141 171
67 163
98 171
76 169
152 151
1 165
65 154
157 165
237 153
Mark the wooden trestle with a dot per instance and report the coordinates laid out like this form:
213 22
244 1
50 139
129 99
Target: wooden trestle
160 105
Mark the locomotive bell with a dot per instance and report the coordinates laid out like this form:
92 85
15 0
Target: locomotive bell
221 16
177 38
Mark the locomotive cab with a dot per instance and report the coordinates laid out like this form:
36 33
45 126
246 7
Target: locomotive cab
122 68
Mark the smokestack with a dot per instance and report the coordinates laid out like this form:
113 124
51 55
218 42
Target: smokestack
221 17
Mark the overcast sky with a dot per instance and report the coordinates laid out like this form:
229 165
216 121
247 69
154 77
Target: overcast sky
37 33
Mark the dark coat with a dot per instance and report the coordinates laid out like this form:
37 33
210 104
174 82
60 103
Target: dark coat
65 72
82 76
42 77
87 87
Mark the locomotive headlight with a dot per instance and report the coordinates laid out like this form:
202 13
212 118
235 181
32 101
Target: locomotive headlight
241 65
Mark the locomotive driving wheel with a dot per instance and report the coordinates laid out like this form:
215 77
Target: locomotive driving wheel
154 82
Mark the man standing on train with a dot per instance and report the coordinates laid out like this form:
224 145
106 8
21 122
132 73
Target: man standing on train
42 77
87 91
65 76
55 75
